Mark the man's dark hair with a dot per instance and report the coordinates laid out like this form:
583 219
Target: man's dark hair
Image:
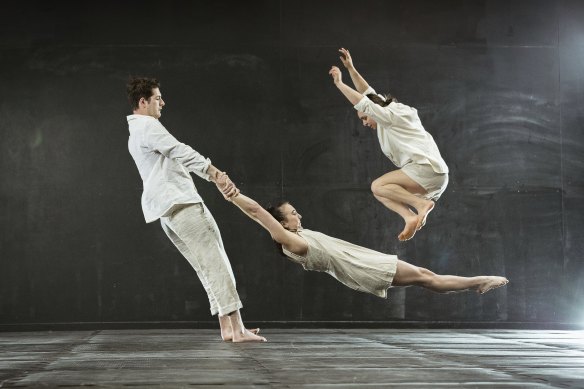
139 87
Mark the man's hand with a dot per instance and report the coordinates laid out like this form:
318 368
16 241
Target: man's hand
335 72
346 58
226 186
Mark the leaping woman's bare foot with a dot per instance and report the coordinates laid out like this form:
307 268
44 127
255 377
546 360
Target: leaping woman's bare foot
409 229
491 282
247 336
227 335
423 214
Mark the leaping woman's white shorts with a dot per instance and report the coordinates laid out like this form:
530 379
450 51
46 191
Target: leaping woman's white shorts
434 183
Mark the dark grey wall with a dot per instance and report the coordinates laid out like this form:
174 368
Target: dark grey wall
499 84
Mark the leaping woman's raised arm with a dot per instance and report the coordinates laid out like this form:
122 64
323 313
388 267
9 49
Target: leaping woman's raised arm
351 94
360 84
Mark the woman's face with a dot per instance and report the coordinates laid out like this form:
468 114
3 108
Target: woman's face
367 120
291 218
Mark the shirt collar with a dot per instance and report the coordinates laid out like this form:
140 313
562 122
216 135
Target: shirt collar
136 116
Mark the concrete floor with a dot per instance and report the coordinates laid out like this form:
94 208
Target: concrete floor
315 358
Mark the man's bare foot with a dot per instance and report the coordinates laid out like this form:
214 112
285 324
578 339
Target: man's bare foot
491 282
227 335
247 336
410 228
423 214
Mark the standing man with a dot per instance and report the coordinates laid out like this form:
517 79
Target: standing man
170 195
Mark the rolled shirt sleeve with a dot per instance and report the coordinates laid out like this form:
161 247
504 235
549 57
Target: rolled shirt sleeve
378 113
392 116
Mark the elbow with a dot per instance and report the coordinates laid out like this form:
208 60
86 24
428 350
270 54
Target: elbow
254 209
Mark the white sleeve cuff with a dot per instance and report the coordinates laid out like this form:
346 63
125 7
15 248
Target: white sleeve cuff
360 106
203 173
369 91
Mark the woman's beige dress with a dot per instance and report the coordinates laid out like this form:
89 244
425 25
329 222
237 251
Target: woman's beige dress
357 267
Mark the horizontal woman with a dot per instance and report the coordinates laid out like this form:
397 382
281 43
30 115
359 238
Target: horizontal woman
357 267
422 176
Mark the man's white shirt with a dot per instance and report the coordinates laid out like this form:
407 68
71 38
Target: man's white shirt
164 164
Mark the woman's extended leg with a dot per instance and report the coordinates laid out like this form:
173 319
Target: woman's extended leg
408 274
396 190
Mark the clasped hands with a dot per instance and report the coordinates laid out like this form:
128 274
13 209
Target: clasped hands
226 186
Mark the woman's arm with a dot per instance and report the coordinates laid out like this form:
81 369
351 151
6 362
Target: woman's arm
360 84
351 94
256 212
382 115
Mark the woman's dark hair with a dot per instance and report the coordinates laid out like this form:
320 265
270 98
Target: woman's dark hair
276 212
380 101
139 87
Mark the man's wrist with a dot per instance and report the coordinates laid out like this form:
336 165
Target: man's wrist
216 175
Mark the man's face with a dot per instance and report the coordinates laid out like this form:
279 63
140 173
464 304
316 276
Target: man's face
154 104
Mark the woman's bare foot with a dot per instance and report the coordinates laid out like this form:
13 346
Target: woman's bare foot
247 336
491 282
227 335
423 214
409 229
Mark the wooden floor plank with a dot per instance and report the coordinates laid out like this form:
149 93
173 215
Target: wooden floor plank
303 358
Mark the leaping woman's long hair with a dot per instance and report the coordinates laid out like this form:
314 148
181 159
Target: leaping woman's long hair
384 102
